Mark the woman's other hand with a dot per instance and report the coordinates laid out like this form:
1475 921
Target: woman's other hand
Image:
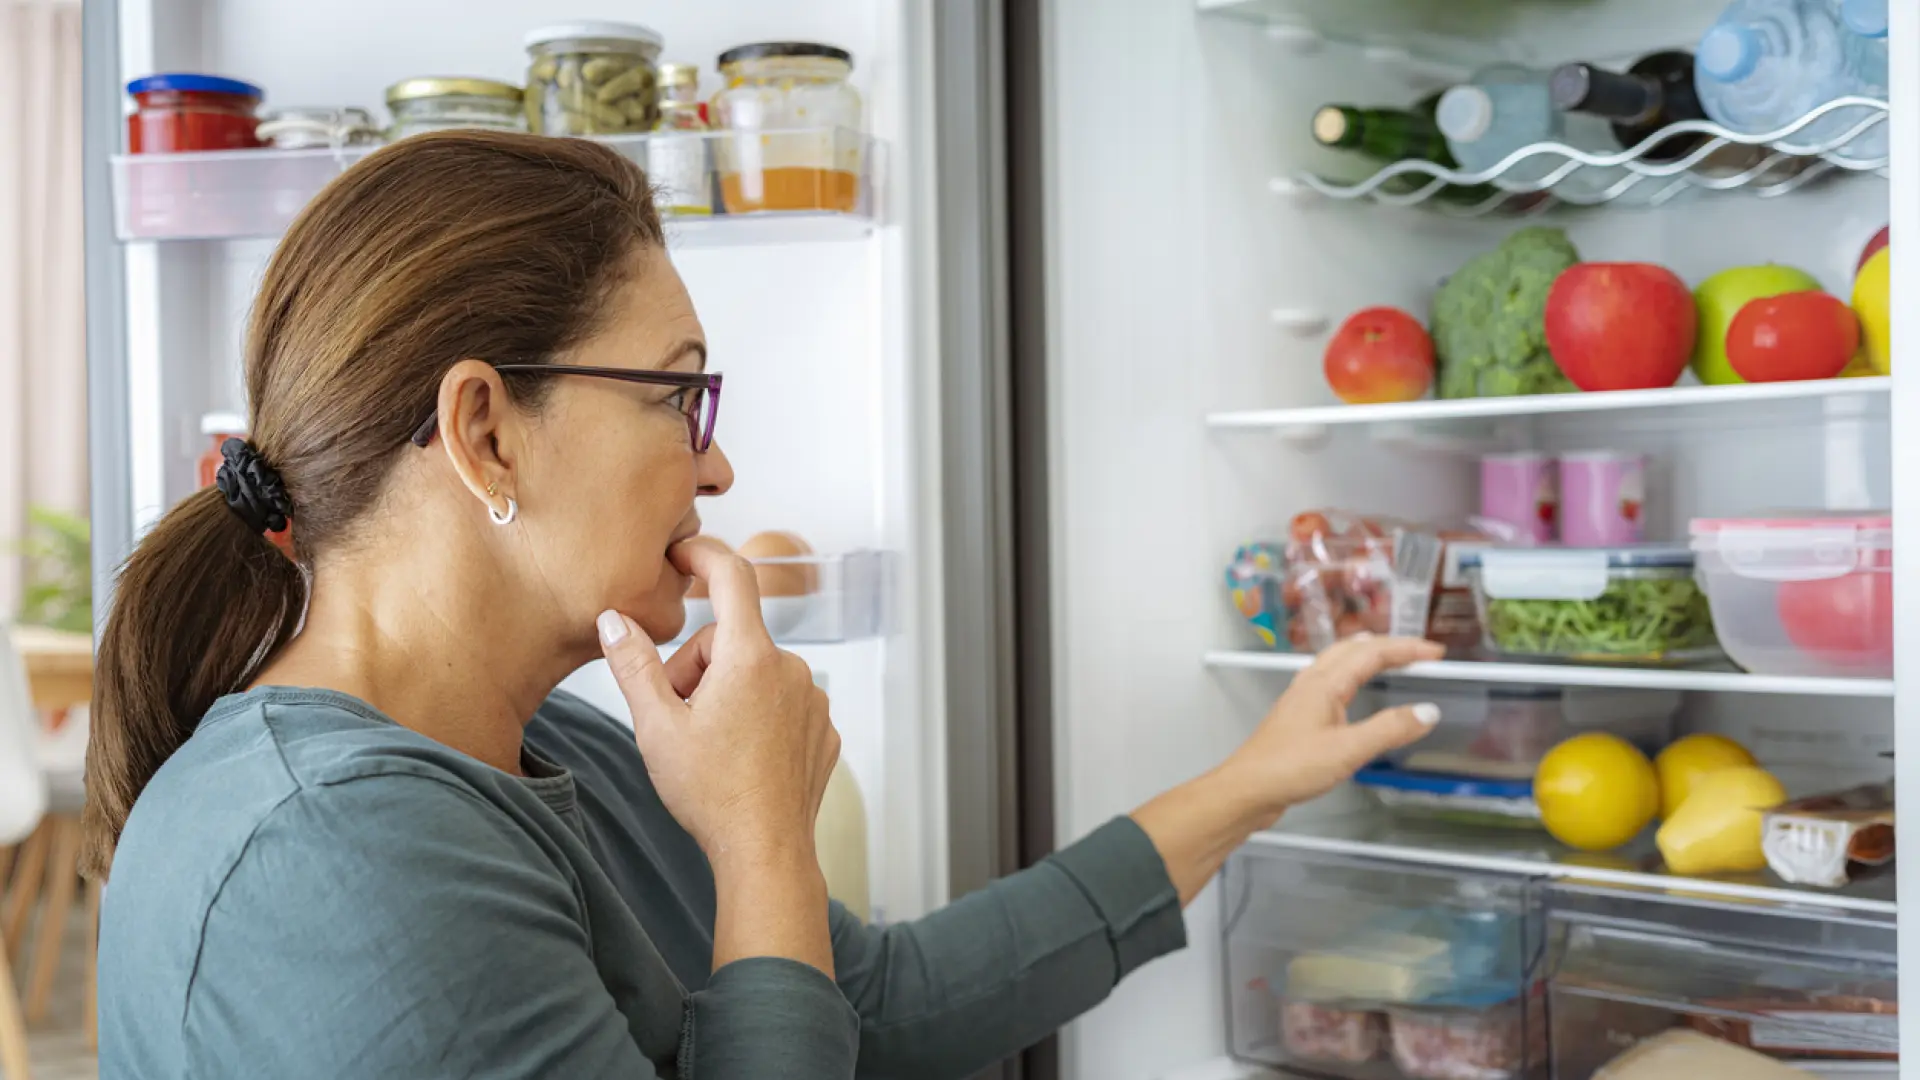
1303 749
739 743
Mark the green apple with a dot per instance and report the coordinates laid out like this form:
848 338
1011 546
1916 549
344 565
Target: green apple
1721 297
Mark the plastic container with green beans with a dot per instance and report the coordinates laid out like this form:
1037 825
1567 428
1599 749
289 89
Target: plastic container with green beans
1626 605
592 78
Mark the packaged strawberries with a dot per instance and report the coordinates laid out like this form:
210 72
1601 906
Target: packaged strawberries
1344 573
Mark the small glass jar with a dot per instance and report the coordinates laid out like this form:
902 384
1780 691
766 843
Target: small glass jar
592 78
438 103
310 128
178 113
803 117
677 159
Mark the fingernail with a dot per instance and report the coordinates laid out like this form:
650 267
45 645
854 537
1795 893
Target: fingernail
613 627
1427 713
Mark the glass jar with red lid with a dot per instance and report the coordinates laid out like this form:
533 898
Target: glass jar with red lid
175 113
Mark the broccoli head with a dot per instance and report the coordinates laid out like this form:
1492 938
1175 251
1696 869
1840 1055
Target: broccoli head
1489 330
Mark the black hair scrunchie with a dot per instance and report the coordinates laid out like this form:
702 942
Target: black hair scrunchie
254 491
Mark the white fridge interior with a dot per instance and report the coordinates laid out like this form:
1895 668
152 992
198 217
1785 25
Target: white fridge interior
1193 281
819 320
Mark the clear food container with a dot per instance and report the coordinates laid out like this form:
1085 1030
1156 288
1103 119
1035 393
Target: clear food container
1459 800
1501 733
797 119
593 78
1637 604
1801 595
814 599
436 103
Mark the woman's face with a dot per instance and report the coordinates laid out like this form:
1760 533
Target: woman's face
613 479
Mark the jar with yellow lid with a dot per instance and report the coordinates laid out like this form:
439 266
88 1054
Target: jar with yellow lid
796 121
592 78
437 103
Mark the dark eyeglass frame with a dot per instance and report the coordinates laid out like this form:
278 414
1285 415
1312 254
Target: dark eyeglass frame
699 435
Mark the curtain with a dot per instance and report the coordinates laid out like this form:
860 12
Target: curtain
43 370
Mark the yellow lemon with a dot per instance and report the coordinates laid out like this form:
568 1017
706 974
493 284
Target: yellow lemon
1717 829
1596 791
1872 289
1681 765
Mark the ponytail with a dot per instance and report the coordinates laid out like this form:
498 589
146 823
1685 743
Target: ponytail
199 606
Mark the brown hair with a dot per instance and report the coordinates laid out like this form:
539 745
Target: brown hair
444 246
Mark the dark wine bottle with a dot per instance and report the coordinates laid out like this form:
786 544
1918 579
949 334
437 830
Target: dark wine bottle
1655 92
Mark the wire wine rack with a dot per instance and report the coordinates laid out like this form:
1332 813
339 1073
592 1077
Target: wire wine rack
1779 164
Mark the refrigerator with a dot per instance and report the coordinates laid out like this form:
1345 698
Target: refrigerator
1030 394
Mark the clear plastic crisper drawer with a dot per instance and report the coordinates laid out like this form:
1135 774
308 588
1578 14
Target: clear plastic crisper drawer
1359 968
1800 983
816 599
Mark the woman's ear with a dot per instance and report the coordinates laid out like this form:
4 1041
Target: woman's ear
478 429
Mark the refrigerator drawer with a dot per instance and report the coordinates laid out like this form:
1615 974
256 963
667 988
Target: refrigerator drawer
1797 982
1361 968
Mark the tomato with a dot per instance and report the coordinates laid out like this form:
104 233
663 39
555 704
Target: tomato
1379 354
1793 336
1846 621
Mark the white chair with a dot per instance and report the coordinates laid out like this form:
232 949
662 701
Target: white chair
23 803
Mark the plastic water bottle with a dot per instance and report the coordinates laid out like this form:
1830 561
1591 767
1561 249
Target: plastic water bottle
1768 63
1867 21
1506 108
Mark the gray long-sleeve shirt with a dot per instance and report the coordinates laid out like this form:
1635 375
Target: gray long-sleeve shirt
309 891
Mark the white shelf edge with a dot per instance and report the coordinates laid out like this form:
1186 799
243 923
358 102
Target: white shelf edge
1546 404
1479 671
1503 864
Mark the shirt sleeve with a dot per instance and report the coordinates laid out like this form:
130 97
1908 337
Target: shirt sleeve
397 926
998 970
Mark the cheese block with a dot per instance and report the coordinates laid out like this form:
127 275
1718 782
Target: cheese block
1379 966
1689 1055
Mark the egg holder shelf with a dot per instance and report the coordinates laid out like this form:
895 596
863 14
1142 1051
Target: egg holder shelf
831 598
1772 176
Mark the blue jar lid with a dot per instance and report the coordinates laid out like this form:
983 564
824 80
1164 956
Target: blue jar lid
193 84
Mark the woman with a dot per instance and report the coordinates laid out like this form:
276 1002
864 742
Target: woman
353 830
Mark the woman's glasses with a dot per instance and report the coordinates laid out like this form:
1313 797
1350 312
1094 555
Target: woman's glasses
700 404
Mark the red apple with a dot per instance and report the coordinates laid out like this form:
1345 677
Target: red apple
1879 241
1380 354
1793 336
1620 326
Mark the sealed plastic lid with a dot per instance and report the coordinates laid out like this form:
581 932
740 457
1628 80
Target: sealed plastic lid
1465 113
183 82
1868 18
1567 573
1728 53
596 30
1796 546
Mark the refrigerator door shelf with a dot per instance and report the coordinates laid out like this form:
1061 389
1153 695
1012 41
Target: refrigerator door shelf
832 598
255 194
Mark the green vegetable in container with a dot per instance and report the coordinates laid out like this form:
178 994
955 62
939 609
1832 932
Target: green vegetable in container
1643 619
1489 330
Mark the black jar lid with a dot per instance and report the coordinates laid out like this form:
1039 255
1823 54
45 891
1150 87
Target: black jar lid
779 50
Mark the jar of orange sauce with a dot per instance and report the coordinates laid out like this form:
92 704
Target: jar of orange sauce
218 428
797 122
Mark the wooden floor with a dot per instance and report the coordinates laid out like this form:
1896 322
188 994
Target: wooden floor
60 1046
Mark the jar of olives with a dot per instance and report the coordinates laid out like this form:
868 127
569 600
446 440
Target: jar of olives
592 78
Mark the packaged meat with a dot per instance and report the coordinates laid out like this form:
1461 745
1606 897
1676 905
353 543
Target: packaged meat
1689 1055
1840 1026
1316 1032
1470 1042
1812 841
1346 573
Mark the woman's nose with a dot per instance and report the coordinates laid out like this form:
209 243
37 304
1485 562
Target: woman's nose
713 471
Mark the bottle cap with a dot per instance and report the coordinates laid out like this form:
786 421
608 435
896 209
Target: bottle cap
1330 125
1868 18
1621 98
1465 113
1728 53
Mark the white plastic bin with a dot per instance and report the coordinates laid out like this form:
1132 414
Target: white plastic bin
1808 594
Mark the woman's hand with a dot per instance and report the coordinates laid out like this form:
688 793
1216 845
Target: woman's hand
1302 750
739 744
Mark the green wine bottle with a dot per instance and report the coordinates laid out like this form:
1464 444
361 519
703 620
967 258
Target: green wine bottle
1393 135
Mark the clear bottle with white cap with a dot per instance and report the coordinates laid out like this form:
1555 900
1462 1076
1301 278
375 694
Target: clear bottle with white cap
1766 64
1507 108
1867 21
